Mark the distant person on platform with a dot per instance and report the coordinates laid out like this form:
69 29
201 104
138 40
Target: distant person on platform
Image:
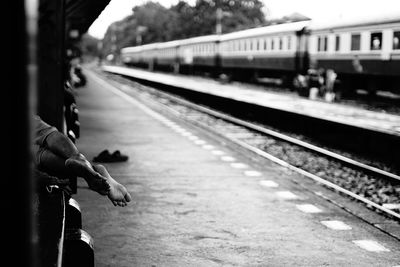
56 155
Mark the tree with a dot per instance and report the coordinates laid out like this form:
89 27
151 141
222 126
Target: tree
236 15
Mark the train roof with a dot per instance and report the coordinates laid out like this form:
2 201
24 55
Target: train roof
175 43
200 39
133 49
370 20
271 29
168 44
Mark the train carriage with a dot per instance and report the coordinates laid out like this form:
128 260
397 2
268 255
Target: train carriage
364 53
140 56
199 54
166 56
276 50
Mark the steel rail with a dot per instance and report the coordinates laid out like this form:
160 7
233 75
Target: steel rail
289 139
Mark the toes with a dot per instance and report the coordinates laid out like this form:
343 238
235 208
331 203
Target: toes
128 197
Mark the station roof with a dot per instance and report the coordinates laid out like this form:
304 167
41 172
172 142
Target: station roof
80 14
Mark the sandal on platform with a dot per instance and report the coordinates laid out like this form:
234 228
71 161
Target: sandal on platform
104 156
117 156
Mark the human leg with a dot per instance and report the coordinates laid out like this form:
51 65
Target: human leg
76 165
81 167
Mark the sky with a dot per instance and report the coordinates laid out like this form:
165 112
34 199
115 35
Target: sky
320 10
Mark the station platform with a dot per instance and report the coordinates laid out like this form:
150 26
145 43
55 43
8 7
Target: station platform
336 112
205 203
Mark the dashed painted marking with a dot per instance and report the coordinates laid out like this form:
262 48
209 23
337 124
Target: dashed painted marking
286 195
336 225
268 183
186 133
308 208
193 138
370 245
218 152
199 142
227 158
208 147
252 173
238 165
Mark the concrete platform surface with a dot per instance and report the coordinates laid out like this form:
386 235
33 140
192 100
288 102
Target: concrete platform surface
376 121
203 204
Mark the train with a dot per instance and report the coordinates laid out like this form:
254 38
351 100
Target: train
362 54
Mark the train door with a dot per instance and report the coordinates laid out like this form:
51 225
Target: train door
302 58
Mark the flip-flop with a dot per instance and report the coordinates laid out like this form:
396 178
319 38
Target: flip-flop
117 156
104 156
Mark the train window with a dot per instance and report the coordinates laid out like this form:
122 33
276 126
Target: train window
325 43
322 43
280 44
337 42
289 43
396 40
319 43
272 44
355 42
265 44
376 41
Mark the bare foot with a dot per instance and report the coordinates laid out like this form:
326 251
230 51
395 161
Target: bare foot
118 194
81 167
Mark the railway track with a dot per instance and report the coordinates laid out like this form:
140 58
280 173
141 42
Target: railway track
376 188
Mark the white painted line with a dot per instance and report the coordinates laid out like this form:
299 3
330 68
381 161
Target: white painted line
336 225
199 142
186 134
193 138
268 183
370 245
227 158
308 208
252 173
238 165
286 195
208 147
218 152
392 206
